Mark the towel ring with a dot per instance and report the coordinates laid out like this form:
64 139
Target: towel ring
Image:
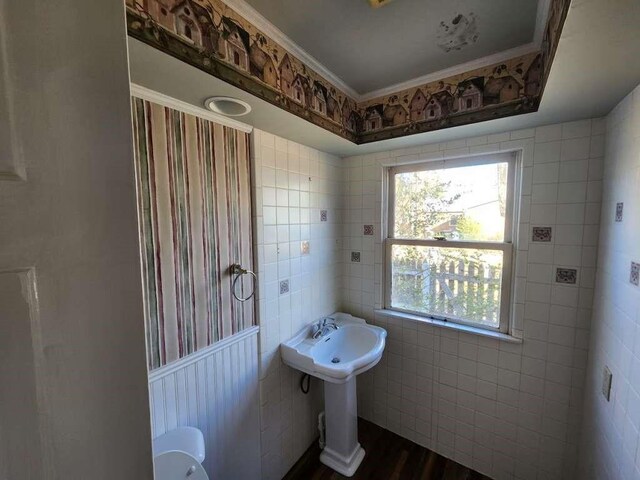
237 270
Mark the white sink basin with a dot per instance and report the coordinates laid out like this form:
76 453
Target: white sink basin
353 348
337 358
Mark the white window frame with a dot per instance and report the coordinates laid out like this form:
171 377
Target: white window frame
507 246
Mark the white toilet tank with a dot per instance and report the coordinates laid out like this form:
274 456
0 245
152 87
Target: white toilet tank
178 455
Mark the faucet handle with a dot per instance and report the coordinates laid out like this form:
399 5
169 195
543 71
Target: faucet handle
321 326
316 329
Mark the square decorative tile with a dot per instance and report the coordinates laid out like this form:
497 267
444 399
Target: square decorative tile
284 287
368 229
355 256
304 247
566 275
634 276
323 215
541 234
619 208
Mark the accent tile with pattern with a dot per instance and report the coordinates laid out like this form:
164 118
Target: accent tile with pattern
355 257
541 234
284 287
304 247
323 215
619 209
634 276
567 275
368 229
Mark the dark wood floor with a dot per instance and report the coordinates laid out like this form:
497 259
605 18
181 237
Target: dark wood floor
388 457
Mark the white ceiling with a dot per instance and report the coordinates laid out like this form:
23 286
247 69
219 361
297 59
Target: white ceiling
596 66
370 49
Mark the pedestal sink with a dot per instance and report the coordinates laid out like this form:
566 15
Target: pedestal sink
337 358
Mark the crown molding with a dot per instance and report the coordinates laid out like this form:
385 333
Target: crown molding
541 21
161 99
451 71
349 122
256 19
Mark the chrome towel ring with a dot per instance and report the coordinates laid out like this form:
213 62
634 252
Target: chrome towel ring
237 270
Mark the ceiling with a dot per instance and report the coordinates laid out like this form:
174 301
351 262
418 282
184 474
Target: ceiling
370 49
595 67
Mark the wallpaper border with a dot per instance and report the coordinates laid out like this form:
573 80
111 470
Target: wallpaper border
211 36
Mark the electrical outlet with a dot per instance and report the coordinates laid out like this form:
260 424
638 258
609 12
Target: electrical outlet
606 383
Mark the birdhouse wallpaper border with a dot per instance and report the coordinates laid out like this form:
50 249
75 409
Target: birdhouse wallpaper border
211 36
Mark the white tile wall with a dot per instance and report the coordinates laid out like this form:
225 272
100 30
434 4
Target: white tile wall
292 184
511 411
610 445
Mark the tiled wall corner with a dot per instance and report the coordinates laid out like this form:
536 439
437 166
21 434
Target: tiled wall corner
291 185
611 428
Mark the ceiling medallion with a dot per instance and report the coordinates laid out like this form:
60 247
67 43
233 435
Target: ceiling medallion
458 33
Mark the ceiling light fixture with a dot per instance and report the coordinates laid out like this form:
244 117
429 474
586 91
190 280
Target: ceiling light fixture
229 106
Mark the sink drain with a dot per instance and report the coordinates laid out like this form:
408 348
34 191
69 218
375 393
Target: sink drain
335 360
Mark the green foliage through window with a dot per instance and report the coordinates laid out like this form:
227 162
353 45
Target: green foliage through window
466 203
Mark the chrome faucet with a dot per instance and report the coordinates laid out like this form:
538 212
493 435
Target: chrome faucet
323 326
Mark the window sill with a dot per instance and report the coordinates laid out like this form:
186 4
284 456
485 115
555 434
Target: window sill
503 337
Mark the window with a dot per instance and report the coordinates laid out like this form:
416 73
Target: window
469 103
449 246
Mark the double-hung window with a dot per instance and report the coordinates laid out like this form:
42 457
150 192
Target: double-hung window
449 247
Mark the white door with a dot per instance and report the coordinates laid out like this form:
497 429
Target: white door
73 380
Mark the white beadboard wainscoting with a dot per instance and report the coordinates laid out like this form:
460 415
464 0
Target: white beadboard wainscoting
216 390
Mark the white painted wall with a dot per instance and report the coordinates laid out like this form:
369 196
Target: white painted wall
215 390
71 319
610 447
511 411
291 185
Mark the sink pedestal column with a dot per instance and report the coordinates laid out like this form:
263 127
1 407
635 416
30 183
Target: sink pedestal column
342 452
